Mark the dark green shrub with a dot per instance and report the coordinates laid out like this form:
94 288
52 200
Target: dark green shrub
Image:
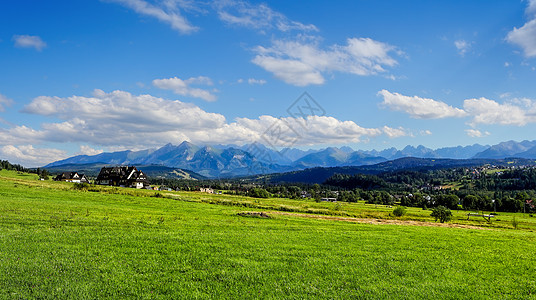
258 193
80 186
442 214
399 211
515 223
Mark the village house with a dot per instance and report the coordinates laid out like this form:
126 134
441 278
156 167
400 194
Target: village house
72 177
122 176
207 190
329 199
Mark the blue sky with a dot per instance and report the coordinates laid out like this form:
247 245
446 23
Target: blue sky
82 77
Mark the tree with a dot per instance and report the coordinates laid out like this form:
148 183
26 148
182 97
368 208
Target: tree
399 211
259 193
442 214
449 201
44 174
470 202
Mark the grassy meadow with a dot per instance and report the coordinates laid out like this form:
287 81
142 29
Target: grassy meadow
59 242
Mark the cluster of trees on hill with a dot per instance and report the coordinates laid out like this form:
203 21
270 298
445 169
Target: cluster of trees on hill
6 165
516 179
506 190
475 188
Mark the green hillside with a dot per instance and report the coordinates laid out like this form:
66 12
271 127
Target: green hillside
57 241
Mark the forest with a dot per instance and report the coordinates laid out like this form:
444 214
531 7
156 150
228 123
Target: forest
487 188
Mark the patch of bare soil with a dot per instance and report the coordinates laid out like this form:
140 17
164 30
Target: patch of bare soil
379 221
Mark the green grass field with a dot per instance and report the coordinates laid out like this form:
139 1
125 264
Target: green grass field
57 242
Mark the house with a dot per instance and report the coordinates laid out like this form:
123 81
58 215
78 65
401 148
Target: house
72 177
305 194
122 176
329 199
207 190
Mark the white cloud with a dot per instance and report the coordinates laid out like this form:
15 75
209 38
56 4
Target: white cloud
182 87
419 108
302 63
87 150
425 132
256 81
167 12
233 12
29 156
525 36
531 8
4 101
116 118
395 132
290 71
120 119
256 16
287 132
486 111
476 133
29 41
462 46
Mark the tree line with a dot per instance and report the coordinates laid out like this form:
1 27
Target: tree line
6 165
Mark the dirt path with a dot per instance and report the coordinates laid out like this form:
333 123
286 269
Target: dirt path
377 221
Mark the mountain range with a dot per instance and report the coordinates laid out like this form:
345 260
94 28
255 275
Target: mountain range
320 175
232 160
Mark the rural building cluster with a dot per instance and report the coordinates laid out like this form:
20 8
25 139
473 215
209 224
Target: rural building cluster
122 176
72 177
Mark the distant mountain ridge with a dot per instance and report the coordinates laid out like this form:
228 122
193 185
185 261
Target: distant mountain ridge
321 174
508 149
250 159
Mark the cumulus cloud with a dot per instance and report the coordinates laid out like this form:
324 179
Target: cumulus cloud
4 101
29 156
116 118
476 133
290 71
516 112
256 16
167 12
419 108
486 111
531 8
120 119
87 150
395 132
183 87
302 63
525 36
29 41
462 46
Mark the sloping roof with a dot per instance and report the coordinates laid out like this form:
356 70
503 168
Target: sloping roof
121 175
67 176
